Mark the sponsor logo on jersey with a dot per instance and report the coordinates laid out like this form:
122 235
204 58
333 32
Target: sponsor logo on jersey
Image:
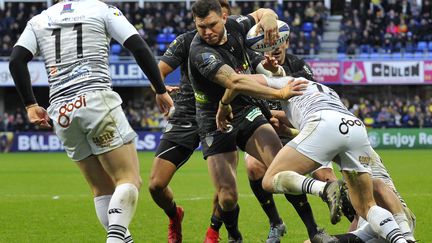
254 114
200 98
67 8
241 18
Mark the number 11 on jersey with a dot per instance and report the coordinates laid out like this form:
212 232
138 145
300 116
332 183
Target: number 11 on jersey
57 34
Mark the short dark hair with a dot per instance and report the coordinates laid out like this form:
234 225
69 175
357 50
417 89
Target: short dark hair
202 8
225 4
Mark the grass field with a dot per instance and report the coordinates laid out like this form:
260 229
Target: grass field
44 198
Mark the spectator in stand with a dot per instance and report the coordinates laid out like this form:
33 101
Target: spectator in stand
410 119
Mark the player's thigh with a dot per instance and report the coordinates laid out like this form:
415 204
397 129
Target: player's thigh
289 159
122 164
97 178
169 157
255 168
263 143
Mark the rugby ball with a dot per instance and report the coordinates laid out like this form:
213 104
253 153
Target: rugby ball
256 42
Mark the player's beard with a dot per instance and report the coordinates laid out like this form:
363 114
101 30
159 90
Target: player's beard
221 38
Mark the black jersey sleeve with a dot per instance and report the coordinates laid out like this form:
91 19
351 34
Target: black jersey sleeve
255 58
178 51
244 23
206 60
300 68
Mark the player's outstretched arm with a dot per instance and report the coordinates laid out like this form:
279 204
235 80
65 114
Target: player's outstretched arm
19 59
145 59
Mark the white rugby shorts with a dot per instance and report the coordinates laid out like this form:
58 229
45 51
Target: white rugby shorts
333 136
91 124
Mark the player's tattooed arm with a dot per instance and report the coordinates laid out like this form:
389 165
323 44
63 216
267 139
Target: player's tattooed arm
253 85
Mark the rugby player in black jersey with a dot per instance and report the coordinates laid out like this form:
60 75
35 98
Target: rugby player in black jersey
180 137
218 46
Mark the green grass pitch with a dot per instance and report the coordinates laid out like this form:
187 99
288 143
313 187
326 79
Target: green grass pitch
44 198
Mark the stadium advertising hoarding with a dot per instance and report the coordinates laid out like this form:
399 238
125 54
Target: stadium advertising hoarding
428 72
327 72
128 73
38 74
148 141
123 73
383 72
49 142
395 138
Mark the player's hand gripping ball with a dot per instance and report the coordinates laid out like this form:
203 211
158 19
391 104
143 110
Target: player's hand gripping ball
256 42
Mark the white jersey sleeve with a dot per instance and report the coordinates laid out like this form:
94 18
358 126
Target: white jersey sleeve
118 26
28 40
278 82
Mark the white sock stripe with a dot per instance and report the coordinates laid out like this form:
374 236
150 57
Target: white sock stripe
117 227
128 239
394 235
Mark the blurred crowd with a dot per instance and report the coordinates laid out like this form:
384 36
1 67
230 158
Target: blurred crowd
386 26
389 113
392 112
160 22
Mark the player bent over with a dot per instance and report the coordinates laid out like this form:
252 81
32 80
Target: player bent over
73 39
318 113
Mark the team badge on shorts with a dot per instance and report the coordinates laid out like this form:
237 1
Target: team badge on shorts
209 140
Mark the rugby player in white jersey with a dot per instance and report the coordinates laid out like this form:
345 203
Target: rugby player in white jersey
319 114
73 39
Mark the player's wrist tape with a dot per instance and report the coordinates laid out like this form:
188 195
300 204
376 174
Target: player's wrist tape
32 105
280 72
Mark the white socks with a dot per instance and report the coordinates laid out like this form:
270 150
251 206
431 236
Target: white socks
121 210
291 182
101 206
402 221
383 223
115 212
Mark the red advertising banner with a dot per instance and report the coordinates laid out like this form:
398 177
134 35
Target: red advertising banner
327 72
354 73
428 71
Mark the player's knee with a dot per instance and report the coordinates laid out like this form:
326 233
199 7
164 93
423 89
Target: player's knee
156 185
228 198
267 183
325 174
379 188
255 169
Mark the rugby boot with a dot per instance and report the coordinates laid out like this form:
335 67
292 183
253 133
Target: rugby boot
232 240
276 232
174 227
332 196
212 236
323 237
347 208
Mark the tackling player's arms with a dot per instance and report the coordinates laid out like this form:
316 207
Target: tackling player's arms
249 84
254 85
